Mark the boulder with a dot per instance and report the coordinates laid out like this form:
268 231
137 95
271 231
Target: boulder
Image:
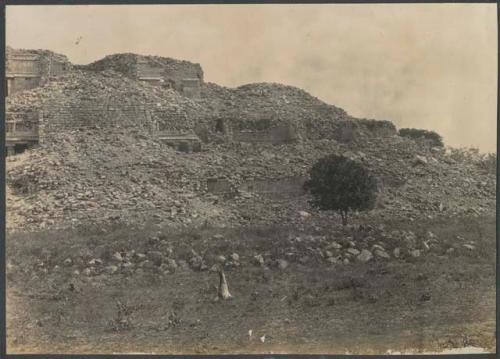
365 256
415 253
259 259
282 264
382 254
420 160
353 251
235 257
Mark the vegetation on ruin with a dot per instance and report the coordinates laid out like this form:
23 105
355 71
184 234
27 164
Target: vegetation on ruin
340 184
433 137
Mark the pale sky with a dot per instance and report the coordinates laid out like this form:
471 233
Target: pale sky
431 66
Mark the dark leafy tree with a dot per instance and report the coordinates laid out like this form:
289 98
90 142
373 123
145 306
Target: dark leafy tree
340 184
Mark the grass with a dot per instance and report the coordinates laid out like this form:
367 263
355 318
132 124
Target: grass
430 294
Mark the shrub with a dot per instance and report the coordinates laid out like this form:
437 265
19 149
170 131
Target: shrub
434 138
340 184
488 163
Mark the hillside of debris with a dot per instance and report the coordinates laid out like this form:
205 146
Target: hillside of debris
96 176
248 105
100 158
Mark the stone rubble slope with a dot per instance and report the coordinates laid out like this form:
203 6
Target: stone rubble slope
107 172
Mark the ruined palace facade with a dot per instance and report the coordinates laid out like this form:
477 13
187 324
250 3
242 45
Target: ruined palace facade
27 69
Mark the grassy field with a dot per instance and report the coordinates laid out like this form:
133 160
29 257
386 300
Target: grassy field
437 301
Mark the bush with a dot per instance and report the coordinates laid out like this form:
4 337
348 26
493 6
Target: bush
340 184
434 138
488 163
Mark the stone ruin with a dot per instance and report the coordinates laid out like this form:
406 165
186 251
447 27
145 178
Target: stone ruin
27 69
275 188
181 142
182 76
21 130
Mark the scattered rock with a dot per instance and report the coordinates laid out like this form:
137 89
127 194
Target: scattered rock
382 254
282 264
334 260
95 261
365 256
68 262
415 253
183 265
171 264
334 245
196 263
259 259
353 251
304 214
117 256
420 160
235 257
378 247
111 269
87 272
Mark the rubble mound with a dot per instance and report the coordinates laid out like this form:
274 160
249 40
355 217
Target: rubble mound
172 72
262 105
101 157
106 98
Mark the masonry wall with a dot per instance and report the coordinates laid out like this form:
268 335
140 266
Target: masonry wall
219 186
27 69
20 124
171 71
16 84
191 88
23 65
275 187
58 116
283 187
275 135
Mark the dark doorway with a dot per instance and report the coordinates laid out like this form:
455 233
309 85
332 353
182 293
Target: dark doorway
219 126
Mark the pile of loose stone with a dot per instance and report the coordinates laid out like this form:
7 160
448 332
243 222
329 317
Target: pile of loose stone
164 257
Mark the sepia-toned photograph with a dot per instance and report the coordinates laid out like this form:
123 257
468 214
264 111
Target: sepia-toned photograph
251 178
